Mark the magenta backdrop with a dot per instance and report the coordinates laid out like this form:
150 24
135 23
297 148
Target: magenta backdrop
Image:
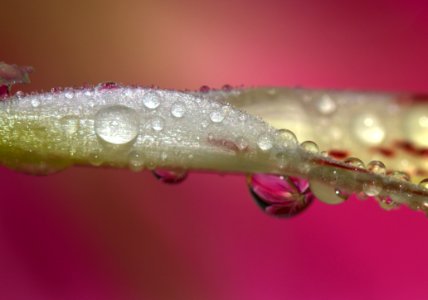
113 234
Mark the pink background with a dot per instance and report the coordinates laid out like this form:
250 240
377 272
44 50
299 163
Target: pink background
113 234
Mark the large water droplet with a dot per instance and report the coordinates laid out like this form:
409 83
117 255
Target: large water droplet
170 176
117 124
151 100
280 196
323 182
287 137
355 162
178 109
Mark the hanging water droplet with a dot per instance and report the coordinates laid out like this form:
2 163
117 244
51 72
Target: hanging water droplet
117 124
151 100
178 109
280 196
217 116
157 124
372 188
95 158
265 142
326 105
310 146
377 167
70 124
136 162
386 202
355 162
401 175
170 176
287 137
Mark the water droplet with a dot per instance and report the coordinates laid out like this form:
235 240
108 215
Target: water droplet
424 183
323 182
19 94
70 124
117 124
95 158
287 137
35 102
136 162
69 94
280 196
372 188
401 175
377 167
170 176
265 142
204 89
326 105
369 129
386 202
178 109
151 100
355 162
157 124
241 143
310 146
217 116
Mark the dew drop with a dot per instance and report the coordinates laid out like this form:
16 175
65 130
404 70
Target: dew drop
157 124
287 137
424 183
117 124
170 176
310 146
386 202
95 158
227 87
135 160
323 182
372 188
178 109
69 94
217 116
280 196
35 102
376 167
241 143
355 162
326 105
151 100
70 124
401 175
265 142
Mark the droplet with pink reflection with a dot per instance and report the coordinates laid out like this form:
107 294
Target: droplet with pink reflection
280 196
170 176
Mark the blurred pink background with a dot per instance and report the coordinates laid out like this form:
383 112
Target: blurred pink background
113 234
